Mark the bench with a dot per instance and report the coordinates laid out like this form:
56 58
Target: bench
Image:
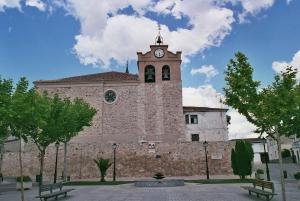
264 188
52 190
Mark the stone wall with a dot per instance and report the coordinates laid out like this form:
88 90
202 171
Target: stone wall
176 159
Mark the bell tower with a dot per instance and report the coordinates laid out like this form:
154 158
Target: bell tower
161 91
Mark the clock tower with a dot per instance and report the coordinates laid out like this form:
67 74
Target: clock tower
160 93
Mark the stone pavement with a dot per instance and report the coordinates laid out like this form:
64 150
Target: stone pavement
189 192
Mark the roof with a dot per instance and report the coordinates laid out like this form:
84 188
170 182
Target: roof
98 77
203 109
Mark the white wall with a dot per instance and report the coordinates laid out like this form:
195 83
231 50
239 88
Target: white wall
212 126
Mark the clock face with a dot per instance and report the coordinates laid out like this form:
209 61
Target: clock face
110 96
159 53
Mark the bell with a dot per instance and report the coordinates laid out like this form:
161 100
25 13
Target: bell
159 41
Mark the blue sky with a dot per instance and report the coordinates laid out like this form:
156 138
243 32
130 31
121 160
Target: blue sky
60 38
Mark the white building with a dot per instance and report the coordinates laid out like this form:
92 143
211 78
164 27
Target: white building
203 123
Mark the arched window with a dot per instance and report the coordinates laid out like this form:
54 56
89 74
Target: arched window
149 74
165 72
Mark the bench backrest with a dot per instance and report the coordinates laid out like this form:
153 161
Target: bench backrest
264 185
51 187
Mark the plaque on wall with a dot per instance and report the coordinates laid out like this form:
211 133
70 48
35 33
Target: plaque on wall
151 147
216 156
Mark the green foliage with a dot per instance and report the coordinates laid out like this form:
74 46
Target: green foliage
25 179
6 90
158 176
234 165
297 176
285 153
103 165
273 109
260 171
241 158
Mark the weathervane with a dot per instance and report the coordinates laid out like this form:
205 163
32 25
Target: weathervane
159 38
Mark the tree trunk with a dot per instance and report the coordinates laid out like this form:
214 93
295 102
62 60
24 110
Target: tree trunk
1 158
65 172
41 169
21 171
280 167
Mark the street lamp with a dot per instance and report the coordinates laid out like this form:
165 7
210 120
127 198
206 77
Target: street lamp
205 144
114 146
56 155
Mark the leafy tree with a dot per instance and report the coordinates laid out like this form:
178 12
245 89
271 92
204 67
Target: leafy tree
103 165
241 159
274 110
21 120
76 115
6 90
234 165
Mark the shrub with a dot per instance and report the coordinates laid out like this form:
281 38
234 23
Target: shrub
297 176
25 179
103 165
285 153
158 175
260 171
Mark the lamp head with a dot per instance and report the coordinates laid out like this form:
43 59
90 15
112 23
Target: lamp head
114 145
205 143
57 144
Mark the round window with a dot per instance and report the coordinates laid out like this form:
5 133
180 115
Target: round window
110 96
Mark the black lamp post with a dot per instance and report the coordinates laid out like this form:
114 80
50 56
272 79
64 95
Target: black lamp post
266 160
56 155
205 144
114 146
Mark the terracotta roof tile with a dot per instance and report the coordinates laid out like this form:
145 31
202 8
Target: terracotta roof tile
98 77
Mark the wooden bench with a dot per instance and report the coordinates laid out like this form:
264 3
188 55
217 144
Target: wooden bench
260 187
52 190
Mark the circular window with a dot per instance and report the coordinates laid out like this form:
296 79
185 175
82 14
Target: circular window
110 96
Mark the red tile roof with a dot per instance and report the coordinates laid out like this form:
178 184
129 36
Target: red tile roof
98 77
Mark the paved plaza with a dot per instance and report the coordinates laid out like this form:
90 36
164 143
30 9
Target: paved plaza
189 192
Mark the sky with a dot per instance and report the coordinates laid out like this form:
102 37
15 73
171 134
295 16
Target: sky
50 39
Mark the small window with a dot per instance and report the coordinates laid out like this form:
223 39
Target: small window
195 137
194 119
187 119
149 74
165 72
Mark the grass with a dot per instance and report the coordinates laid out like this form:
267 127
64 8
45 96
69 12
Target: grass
221 181
90 183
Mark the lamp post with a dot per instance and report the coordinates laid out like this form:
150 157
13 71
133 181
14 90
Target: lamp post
266 160
205 144
56 155
114 146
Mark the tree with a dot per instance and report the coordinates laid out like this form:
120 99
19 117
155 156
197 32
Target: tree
21 119
6 89
76 115
241 159
103 165
274 110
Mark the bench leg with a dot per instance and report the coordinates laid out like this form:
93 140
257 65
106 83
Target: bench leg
56 197
257 195
65 194
267 198
249 192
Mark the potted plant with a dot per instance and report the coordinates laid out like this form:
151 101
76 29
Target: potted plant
158 176
27 183
297 177
260 174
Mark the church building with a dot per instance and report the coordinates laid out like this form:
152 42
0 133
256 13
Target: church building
144 115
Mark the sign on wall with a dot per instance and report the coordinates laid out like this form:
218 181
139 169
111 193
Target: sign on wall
216 156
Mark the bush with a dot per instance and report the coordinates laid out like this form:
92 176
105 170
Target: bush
260 171
158 175
25 179
285 153
297 176
103 165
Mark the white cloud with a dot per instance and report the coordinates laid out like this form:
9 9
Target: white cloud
288 1
9 4
279 66
208 70
250 7
37 4
101 24
207 96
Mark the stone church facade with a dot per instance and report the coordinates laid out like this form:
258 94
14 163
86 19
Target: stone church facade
144 115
